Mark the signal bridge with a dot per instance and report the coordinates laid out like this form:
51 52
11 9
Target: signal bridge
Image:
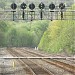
42 12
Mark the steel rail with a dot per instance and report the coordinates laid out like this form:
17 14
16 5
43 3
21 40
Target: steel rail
65 66
44 69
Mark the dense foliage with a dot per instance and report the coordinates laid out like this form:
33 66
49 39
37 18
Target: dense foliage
60 37
21 34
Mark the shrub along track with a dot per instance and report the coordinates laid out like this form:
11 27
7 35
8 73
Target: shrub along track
68 67
32 67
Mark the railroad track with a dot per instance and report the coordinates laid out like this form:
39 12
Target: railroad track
32 67
65 66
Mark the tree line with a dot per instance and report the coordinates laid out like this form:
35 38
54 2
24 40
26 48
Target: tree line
21 34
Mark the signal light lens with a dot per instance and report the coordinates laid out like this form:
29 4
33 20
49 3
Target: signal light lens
41 5
13 6
31 6
62 6
23 6
52 6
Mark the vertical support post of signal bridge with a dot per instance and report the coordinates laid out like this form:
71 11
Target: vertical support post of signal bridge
35 48
23 14
13 15
41 14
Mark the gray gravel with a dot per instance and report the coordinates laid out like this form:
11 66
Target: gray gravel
6 65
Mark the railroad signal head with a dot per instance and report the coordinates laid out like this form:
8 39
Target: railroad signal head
41 5
23 6
52 6
62 6
31 6
13 6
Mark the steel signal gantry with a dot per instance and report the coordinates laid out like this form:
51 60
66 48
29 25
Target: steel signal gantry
51 7
13 6
23 6
32 12
62 6
41 6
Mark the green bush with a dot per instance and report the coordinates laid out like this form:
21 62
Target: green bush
22 34
59 37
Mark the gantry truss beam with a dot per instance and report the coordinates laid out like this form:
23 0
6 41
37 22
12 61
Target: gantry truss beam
35 15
